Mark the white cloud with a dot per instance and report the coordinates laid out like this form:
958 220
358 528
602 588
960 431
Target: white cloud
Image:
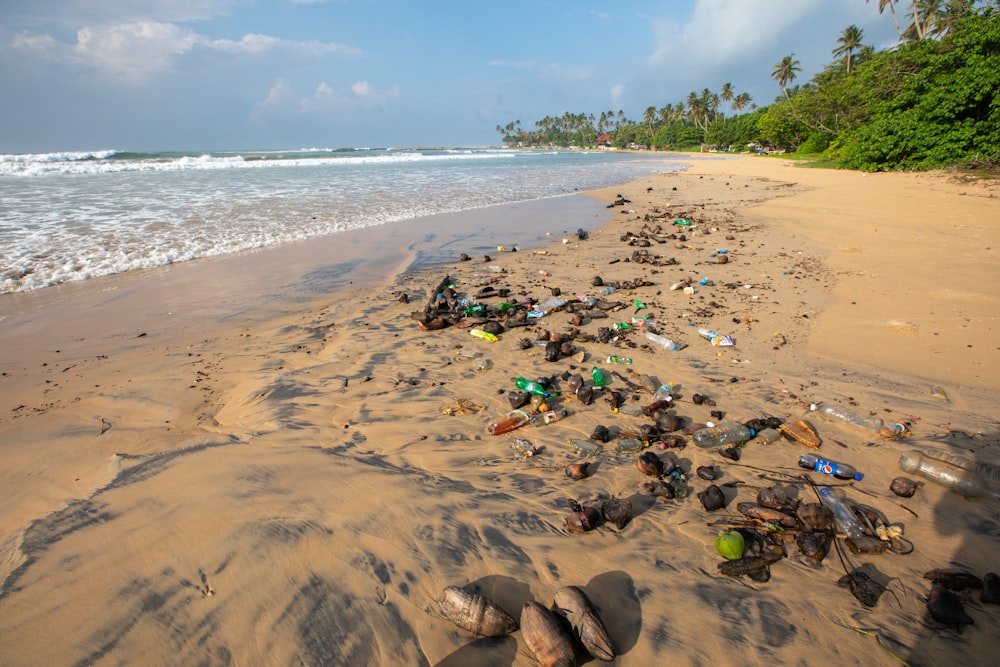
135 51
279 94
253 44
360 94
616 95
722 31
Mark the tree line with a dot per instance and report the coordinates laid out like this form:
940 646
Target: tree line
930 101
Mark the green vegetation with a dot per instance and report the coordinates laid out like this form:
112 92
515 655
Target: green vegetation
932 101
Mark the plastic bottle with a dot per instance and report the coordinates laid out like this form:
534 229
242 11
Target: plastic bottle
847 523
530 387
810 461
895 431
631 409
485 335
664 393
726 433
598 377
952 477
621 326
586 447
483 364
514 419
629 445
547 417
988 471
550 304
621 361
610 289
660 341
766 437
839 413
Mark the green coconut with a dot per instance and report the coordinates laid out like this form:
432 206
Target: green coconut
730 545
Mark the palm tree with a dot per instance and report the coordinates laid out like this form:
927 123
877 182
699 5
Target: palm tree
727 94
785 71
741 101
849 40
882 4
648 118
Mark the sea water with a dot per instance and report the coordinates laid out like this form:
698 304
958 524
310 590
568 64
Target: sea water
77 215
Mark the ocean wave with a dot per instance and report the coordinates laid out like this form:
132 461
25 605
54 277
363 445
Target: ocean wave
99 163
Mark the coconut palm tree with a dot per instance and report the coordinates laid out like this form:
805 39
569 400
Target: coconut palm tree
848 41
741 101
882 4
727 94
648 119
785 71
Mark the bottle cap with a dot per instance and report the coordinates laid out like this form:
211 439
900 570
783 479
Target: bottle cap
857 477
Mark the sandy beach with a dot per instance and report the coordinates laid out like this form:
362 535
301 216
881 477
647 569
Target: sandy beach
194 477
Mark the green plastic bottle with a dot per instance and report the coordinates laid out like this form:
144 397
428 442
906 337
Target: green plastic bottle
530 387
598 376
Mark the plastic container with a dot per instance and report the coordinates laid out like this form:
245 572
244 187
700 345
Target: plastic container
988 471
847 522
726 433
766 437
660 342
664 393
514 419
835 412
629 445
895 431
586 447
598 377
810 461
485 335
631 409
952 477
530 387
483 364
548 417
621 361
621 326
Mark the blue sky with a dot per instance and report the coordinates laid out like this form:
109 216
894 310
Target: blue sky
242 74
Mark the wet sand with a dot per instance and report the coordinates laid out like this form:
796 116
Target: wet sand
248 460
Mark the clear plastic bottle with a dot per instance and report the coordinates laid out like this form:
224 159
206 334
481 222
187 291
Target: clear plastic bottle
660 341
726 433
629 445
835 412
952 477
631 409
586 447
514 419
766 437
988 471
664 393
842 470
621 361
847 522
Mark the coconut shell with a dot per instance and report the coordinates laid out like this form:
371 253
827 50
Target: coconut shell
815 516
548 636
585 621
712 498
802 432
904 487
475 613
617 511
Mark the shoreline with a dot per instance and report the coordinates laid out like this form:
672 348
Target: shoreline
247 456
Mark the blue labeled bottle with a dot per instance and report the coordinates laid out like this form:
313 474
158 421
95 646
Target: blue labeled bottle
827 467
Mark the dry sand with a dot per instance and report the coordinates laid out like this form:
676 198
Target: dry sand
187 480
